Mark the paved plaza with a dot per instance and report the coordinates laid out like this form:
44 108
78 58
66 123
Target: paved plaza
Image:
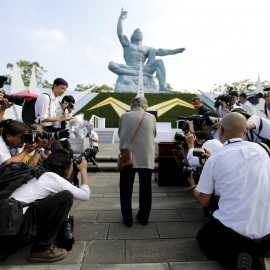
104 242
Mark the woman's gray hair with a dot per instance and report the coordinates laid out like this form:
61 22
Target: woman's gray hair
139 102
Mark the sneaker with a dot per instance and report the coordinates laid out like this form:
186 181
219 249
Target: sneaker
53 254
244 261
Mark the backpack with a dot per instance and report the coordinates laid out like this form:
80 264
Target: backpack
15 174
252 132
28 110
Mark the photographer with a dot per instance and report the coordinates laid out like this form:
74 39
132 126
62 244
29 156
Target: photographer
67 107
180 152
5 104
238 233
47 106
258 128
198 105
204 140
243 98
213 129
93 141
12 147
226 108
50 198
266 97
46 147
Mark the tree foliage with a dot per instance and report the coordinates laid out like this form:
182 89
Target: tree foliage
239 86
96 89
26 71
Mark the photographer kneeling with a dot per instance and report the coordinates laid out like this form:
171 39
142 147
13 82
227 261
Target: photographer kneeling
46 214
12 147
205 140
238 234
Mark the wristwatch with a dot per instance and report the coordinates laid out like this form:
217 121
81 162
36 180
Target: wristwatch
39 151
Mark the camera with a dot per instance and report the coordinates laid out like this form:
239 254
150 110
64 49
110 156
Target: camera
3 123
70 105
181 140
221 98
33 135
18 100
197 122
87 154
210 120
196 172
265 94
199 154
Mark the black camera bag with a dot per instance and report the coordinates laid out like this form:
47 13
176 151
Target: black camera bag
11 213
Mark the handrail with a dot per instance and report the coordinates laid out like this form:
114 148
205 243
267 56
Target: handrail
94 121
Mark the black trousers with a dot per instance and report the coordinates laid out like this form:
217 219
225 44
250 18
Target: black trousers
224 244
145 196
43 219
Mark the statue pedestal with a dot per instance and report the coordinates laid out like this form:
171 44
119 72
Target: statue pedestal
129 84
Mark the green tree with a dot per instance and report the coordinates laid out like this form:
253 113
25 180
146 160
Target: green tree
97 89
102 89
239 86
81 87
26 70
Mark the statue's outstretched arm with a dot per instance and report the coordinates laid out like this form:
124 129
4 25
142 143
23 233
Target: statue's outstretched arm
163 52
123 39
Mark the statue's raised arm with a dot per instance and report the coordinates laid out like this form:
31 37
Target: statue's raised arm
123 38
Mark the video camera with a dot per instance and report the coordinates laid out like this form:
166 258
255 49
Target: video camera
33 135
197 122
18 100
221 98
3 123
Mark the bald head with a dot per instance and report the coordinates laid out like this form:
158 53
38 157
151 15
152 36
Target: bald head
234 125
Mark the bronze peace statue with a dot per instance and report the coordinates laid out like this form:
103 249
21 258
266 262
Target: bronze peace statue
134 53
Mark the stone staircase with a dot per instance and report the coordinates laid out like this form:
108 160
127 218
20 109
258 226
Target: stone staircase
105 136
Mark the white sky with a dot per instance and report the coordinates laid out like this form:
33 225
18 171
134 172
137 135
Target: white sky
225 41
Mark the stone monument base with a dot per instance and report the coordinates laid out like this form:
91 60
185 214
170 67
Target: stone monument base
129 84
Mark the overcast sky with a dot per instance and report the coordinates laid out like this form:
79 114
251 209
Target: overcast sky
225 41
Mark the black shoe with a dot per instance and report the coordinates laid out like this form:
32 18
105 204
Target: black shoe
128 221
142 221
258 264
244 261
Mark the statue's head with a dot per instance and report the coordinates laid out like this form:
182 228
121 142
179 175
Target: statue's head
137 35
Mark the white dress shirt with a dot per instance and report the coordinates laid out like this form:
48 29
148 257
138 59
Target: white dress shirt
49 183
250 109
4 151
265 131
46 107
95 136
230 108
211 145
240 174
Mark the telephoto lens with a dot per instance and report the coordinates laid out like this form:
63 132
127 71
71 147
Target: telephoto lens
64 133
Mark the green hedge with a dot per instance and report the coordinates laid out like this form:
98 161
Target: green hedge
112 117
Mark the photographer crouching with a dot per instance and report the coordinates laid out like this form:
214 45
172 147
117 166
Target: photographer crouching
238 234
12 145
50 198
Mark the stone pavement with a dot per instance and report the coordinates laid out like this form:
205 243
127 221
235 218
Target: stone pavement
104 242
